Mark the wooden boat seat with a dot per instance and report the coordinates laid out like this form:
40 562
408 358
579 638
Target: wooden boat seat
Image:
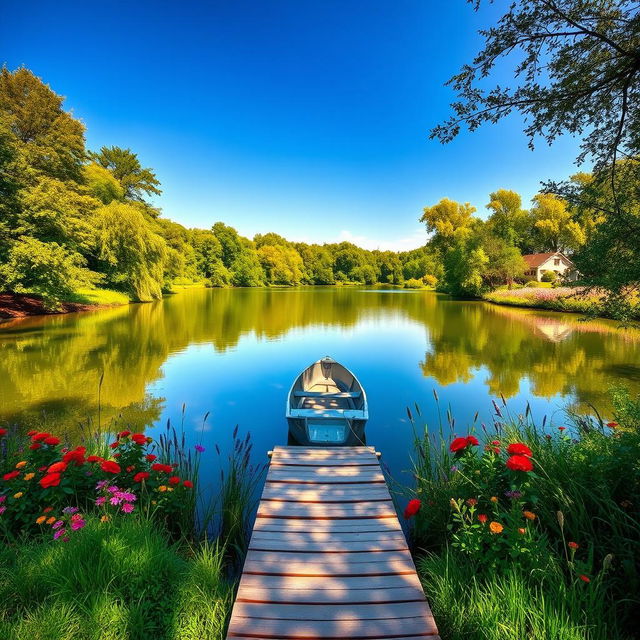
323 394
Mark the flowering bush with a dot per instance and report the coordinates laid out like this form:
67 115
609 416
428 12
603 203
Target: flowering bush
39 479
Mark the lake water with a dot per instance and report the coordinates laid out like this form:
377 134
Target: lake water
234 353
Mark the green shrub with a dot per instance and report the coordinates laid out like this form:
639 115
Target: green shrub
549 276
413 283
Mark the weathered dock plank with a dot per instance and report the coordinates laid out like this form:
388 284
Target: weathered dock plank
327 558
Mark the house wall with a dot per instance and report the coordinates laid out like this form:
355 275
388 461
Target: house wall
554 263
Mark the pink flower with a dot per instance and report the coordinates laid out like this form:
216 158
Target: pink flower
58 533
2 510
100 501
57 524
127 507
77 524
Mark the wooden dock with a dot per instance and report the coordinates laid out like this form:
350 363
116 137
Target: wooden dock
327 557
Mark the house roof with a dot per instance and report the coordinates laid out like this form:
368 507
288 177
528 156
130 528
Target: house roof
538 259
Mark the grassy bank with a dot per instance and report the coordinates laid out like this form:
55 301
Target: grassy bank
530 532
114 541
13 305
565 299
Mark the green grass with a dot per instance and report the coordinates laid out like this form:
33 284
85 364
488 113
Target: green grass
99 297
118 581
584 489
511 605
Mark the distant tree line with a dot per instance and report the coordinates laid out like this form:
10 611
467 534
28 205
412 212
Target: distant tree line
71 218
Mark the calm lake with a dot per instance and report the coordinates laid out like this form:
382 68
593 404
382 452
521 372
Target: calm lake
235 352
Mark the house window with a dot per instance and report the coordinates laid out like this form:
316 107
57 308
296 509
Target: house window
556 262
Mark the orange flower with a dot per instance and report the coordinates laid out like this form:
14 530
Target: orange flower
47 509
472 502
51 520
495 527
522 531
585 578
529 515
29 476
482 517
162 488
21 464
18 495
494 499
41 519
104 519
612 425
573 545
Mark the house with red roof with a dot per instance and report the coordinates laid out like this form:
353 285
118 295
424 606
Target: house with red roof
538 263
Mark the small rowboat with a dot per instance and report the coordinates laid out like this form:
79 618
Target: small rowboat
327 406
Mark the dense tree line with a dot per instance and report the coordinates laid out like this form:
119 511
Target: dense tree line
72 218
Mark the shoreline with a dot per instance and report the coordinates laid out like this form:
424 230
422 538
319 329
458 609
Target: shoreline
16 306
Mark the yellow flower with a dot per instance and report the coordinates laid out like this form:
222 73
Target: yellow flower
51 520
529 515
104 519
21 464
493 499
29 476
41 519
162 488
495 527
18 495
154 502
169 488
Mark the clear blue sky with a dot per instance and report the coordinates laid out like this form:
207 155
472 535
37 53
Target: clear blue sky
305 117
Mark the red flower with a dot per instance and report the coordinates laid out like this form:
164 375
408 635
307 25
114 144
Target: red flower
482 517
472 441
585 578
52 440
459 444
114 445
612 425
130 468
40 436
117 455
76 455
573 545
174 480
139 438
3 432
57 467
50 480
34 446
561 428
412 508
108 466
519 463
496 443
95 459
124 434
188 484
519 449
31 433
10 476
150 457
139 477
164 468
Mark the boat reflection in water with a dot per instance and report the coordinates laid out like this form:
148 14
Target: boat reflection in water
327 406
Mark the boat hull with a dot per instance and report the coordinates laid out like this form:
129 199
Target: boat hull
299 434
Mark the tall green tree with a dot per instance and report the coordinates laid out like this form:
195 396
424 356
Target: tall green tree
230 242
130 253
449 221
508 220
246 270
281 264
47 140
553 225
102 184
138 182
576 71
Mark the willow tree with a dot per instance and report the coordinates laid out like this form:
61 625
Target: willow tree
130 253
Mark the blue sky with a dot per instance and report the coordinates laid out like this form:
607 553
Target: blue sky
305 117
